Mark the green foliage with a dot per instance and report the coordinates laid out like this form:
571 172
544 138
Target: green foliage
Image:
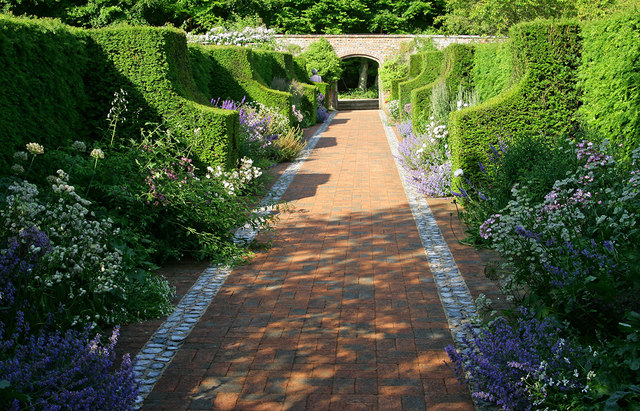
431 68
42 92
392 69
305 16
544 100
530 161
414 68
495 17
230 72
456 64
609 79
321 56
492 68
359 94
290 145
153 66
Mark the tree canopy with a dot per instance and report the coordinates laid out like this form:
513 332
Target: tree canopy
319 16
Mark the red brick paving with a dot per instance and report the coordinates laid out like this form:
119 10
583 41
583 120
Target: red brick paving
341 313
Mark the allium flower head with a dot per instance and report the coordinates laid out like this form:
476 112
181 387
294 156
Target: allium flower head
35 148
79 146
97 153
20 156
458 173
17 169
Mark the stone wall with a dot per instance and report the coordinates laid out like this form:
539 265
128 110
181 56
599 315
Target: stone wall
376 46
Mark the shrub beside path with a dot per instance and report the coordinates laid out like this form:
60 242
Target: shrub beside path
342 311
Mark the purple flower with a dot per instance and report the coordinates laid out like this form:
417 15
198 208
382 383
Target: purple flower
496 361
67 371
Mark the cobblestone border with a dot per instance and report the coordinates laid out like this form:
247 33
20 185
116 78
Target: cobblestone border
156 355
452 289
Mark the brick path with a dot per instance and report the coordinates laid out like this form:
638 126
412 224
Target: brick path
340 313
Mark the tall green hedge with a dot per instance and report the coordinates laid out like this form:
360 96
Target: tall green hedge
431 69
492 69
610 79
546 55
227 72
415 68
153 66
457 61
238 72
42 92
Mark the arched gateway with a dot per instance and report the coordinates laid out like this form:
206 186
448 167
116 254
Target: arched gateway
377 47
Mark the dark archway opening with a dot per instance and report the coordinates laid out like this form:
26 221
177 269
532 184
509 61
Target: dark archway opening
359 81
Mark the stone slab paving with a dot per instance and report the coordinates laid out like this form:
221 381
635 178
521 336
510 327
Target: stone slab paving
341 313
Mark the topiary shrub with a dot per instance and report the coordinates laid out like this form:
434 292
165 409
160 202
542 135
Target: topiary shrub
609 77
230 72
152 65
546 55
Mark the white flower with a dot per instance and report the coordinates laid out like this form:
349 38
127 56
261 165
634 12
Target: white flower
458 173
97 153
20 155
35 148
17 169
79 146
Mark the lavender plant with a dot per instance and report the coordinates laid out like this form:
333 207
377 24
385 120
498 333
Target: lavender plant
426 158
260 127
523 365
71 370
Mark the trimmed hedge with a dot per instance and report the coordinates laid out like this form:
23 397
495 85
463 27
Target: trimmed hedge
227 72
457 62
431 69
610 79
152 65
415 68
492 69
231 72
42 93
546 55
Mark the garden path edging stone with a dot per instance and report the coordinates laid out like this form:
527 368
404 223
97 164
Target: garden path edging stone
156 355
454 294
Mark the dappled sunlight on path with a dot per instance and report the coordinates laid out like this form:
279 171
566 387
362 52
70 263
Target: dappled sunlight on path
342 312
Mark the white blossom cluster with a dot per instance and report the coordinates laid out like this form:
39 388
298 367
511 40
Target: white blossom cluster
574 203
234 181
249 36
393 107
81 262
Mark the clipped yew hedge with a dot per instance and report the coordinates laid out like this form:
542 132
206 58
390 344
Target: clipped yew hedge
492 69
42 89
227 72
415 68
153 66
456 64
546 56
609 79
57 84
431 69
